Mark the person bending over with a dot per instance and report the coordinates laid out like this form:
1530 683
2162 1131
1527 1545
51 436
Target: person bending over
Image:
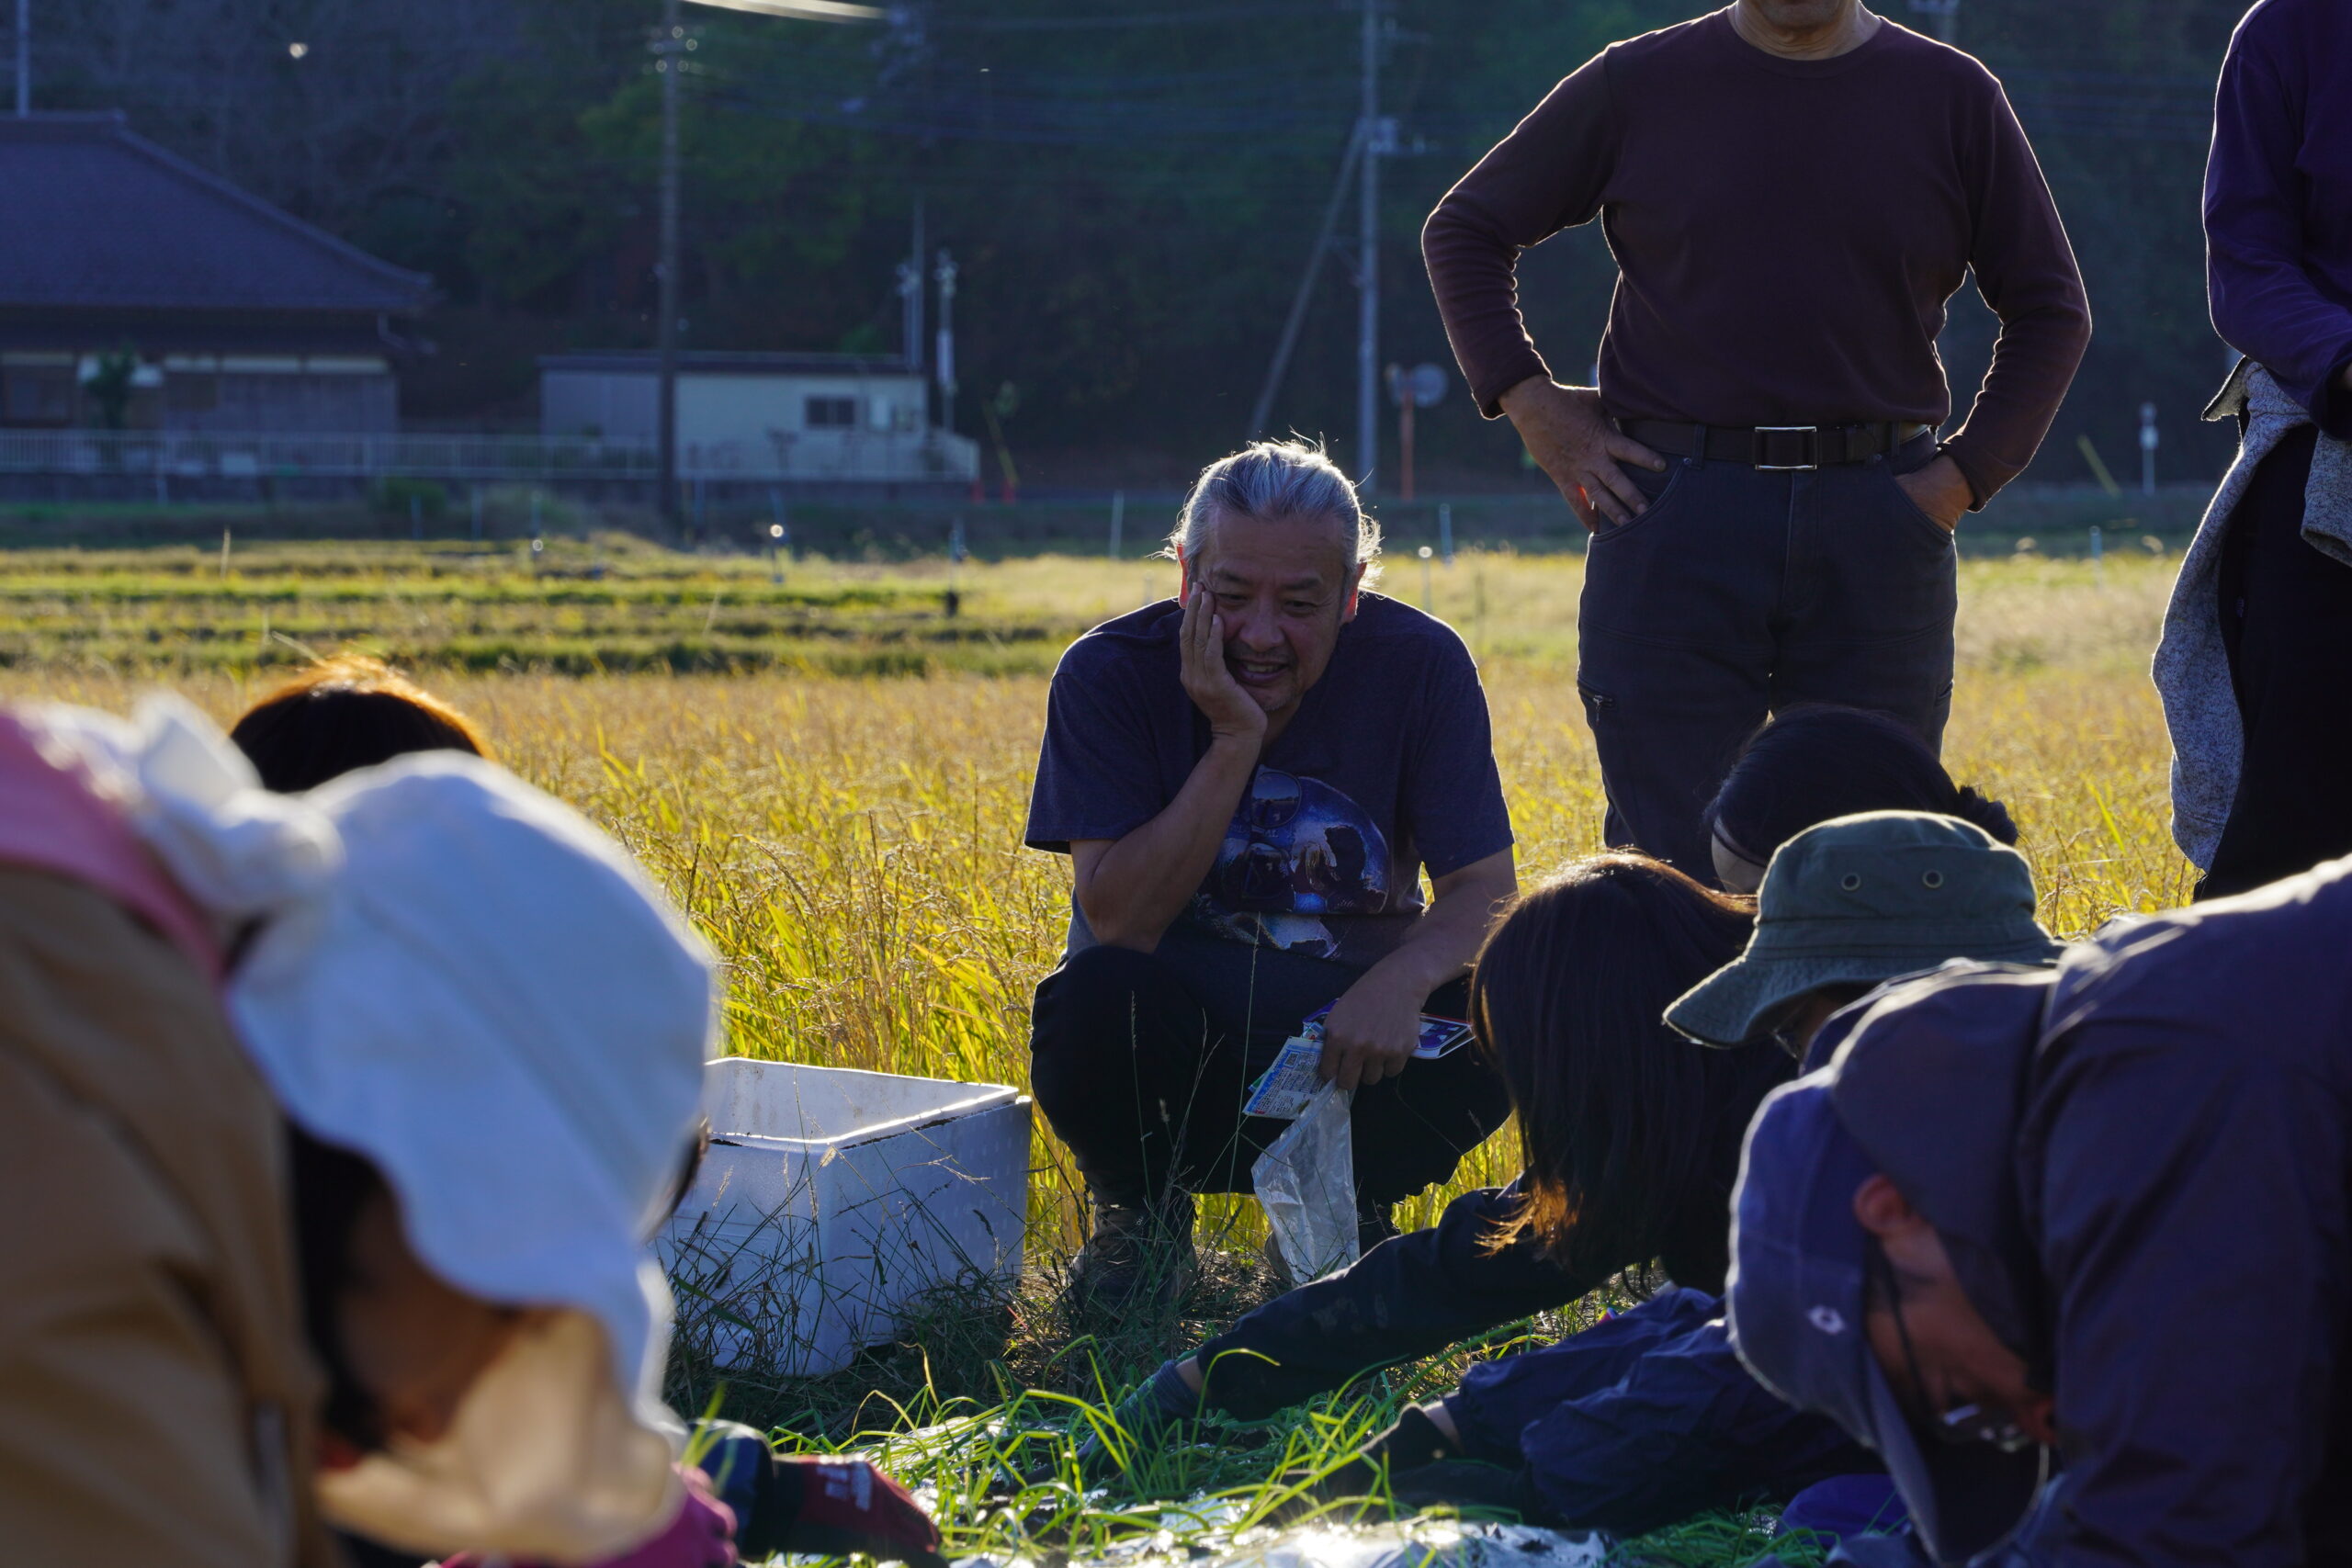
350 712
350 1112
1249 781
2101 1213
1792 191
1631 1135
343 713
1648 1418
1821 760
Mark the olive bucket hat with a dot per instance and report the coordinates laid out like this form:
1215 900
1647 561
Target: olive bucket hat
1859 901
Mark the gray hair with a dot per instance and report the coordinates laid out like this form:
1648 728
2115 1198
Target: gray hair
1268 481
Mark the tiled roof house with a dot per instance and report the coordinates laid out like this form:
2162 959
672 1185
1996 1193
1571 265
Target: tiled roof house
241 316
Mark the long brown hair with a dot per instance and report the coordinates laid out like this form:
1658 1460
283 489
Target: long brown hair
1620 1117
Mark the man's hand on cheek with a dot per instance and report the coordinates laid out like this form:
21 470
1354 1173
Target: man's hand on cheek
1231 712
1370 1032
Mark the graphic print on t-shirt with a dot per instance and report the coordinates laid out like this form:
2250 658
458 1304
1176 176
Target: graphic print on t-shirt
1296 850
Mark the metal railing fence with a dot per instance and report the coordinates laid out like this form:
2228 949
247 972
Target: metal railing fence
885 456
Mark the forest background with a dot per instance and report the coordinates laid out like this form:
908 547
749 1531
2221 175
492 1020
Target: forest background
1129 187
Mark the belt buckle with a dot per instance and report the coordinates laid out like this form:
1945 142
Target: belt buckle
1764 430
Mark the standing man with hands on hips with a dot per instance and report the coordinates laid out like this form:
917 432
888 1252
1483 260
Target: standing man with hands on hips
1249 782
1791 190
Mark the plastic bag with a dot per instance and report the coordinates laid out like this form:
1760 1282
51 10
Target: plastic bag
1306 1181
1425 1544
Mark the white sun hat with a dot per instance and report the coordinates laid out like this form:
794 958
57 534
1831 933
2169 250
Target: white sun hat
465 982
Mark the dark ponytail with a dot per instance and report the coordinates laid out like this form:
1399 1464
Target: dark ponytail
1986 812
1821 760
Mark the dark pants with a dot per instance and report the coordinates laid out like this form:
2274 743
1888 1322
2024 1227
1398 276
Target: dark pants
1738 593
1145 1081
1419 1293
2287 621
1645 1419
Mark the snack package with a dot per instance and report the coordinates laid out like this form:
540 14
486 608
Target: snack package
1284 1090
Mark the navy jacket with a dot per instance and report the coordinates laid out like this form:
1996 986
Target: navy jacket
2150 1196
2184 1163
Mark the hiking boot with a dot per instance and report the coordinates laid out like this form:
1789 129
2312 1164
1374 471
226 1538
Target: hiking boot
1139 1254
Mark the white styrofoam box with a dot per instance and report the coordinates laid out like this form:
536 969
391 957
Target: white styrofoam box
830 1197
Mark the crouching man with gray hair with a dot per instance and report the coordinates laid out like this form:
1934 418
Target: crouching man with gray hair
1249 780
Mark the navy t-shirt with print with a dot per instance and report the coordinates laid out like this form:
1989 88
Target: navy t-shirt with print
1387 766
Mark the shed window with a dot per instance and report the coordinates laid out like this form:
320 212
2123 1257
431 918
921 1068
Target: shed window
832 413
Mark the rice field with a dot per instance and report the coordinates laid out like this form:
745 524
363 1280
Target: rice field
829 772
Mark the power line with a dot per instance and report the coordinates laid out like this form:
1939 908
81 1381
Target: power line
1097 22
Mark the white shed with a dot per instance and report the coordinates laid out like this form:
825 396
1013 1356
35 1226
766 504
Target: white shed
815 416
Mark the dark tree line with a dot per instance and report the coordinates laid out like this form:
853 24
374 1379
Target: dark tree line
1129 186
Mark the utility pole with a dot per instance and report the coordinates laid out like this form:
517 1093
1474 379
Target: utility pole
944 365
24 58
1367 452
911 297
670 50
670 57
1288 341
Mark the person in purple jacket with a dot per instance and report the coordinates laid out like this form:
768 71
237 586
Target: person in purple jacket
1791 190
2260 627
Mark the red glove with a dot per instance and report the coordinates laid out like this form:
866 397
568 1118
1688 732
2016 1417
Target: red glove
845 1505
702 1535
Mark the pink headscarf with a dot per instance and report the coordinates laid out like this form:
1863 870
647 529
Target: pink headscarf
53 818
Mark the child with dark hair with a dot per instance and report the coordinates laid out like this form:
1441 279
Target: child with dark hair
352 712
1627 1139
1819 761
1649 1416
344 713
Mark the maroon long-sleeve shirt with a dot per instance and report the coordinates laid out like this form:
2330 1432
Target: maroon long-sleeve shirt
1786 234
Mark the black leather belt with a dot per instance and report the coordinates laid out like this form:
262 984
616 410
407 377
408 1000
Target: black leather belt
1774 447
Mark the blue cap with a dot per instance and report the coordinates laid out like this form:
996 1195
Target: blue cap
1797 1304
